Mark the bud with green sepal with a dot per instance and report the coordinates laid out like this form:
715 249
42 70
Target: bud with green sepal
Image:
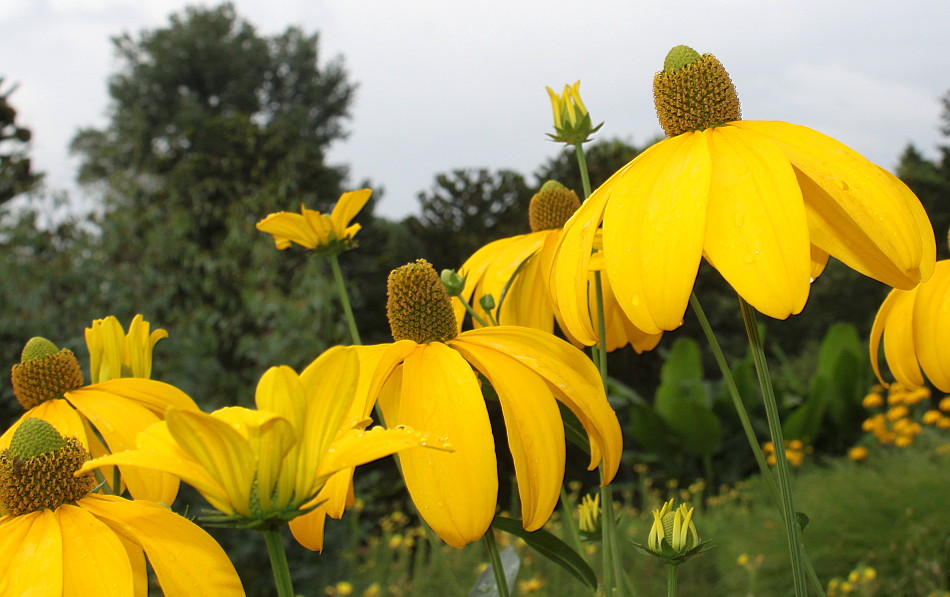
572 123
673 536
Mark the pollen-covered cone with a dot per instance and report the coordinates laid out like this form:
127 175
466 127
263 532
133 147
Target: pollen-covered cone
105 416
915 327
314 230
261 466
760 200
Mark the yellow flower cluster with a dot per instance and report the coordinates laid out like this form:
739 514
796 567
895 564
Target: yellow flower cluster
795 452
860 581
896 419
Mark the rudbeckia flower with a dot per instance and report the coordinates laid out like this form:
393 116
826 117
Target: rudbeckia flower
114 354
105 416
264 467
764 202
57 538
313 230
515 271
427 379
915 327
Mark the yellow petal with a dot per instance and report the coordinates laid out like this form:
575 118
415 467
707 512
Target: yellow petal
932 326
534 426
94 559
186 560
490 268
329 386
570 374
857 212
654 228
137 561
898 331
819 260
219 449
756 233
308 528
286 227
527 301
356 447
32 550
119 421
346 209
58 413
379 362
153 395
568 276
455 492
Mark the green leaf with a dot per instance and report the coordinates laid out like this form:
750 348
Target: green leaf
683 400
552 548
573 429
651 431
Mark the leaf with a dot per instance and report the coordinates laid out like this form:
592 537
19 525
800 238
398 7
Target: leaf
550 547
486 585
683 401
573 429
651 431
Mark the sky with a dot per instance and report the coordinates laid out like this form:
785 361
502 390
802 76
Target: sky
445 84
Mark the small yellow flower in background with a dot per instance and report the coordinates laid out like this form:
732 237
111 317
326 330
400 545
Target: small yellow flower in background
589 514
266 466
743 559
872 400
944 404
114 354
914 325
374 590
795 452
515 271
58 539
427 377
572 123
343 588
104 416
532 585
313 230
858 453
765 202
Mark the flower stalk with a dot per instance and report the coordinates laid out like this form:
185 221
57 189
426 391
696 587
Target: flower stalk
278 562
496 565
344 297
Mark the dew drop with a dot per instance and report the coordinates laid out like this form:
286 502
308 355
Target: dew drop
740 219
635 299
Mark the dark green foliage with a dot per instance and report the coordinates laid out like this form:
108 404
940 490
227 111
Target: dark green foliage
466 209
604 157
16 171
212 127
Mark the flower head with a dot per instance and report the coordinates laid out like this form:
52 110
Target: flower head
57 538
588 512
313 230
428 380
261 468
572 123
765 202
114 354
515 271
915 327
104 416
673 536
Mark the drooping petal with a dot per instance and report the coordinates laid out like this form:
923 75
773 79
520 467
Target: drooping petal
58 413
286 227
307 529
154 395
330 387
379 361
570 374
527 301
895 322
186 560
455 492
119 421
568 277
654 228
346 209
31 547
137 561
857 212
220 449
819 260
356 447
534 427
756 232
932 326
94 559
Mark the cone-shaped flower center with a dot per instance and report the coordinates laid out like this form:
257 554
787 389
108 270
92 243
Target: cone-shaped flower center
552 206
36 471
44 373
419 308
693 93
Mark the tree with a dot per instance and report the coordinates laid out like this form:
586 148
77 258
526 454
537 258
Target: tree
212 127
466 209
16 169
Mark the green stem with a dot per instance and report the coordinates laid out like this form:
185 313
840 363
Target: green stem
278 562
470 309
495 558
344 298
671 580
744 418
567 514
792 529
582 163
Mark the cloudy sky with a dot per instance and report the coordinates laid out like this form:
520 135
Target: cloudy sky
446 84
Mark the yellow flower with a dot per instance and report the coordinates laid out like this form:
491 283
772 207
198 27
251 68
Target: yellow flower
104 416
427 378
589 514
114 354
673 530
872 400
572 123
259 467
314 230
858 453
915 327
57 539
515 271
765 202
